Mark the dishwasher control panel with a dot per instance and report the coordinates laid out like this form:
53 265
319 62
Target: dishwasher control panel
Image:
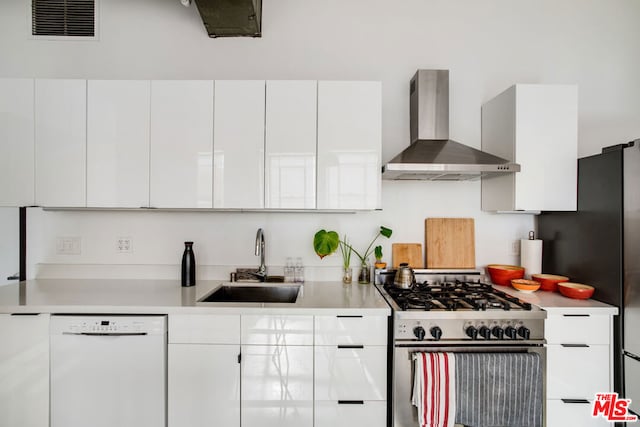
108 324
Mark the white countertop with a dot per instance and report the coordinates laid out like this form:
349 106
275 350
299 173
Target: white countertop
556 303
89 296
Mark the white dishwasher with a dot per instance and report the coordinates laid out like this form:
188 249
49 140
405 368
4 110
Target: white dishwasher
108 371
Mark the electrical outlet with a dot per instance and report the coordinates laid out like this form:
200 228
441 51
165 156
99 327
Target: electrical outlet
124 245
68 246
515 248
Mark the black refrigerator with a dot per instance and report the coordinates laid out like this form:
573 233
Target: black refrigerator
599 245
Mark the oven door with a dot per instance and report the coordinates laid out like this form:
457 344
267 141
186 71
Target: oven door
404 413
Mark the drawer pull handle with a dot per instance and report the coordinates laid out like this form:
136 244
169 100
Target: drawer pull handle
575 401
350 346
576 315
350 402
348 316
25 314
575 345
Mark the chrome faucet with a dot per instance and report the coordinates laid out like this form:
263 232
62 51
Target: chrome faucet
262 270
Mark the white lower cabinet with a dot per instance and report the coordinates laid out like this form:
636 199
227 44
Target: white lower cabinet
24 370
350 414
579 365
203 371
277 386
204 385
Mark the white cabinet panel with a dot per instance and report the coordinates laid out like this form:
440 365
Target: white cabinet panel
203 385
349 144
118 143
290 144
577 329
350 373
277 386
561 414
238 157
60 142
359 330
335 414
24 370
277 330
181 144
204 329
16 142
536 126
577 372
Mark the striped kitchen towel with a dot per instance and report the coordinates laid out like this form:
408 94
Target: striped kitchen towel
434 389
499 389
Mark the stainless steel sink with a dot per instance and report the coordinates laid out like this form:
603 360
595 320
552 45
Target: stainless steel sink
281 294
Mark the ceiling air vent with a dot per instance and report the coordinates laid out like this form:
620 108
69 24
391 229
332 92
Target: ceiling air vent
74 18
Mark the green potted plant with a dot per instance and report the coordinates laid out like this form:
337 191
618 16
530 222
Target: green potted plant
327 242
378 254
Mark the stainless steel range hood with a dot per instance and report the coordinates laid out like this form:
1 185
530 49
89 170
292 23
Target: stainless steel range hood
231 18
432 155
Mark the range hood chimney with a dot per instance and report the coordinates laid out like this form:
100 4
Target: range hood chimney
432 155
231 18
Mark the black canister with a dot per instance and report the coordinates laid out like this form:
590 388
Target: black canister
188 265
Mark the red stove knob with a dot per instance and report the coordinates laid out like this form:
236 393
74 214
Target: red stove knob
419 332
436 332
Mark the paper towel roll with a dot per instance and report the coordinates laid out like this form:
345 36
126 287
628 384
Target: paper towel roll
531 256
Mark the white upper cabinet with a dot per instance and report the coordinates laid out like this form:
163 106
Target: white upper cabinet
536 126
349 144
290 144
60 142
181 144
238 156
118 143
16 142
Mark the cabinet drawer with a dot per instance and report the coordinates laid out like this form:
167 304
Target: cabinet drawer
363 330
204 329
280 330
350 373
577 329
563 414
577 372
350 414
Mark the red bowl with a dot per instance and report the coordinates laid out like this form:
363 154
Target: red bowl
575 290
549 282
503 274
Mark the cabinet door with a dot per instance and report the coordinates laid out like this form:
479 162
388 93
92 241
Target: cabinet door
24 370
238 156
16 142
349 143
343 373
563 414
290 144
577 372
277 330
277 386
60 142
181 143
350 414
118 143
203 385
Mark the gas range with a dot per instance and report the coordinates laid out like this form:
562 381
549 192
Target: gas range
461 307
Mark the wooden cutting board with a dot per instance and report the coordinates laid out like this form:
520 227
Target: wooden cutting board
450 243
411 253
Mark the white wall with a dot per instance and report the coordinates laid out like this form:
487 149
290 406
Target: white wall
487 45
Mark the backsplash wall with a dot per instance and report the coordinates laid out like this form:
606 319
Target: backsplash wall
224 240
